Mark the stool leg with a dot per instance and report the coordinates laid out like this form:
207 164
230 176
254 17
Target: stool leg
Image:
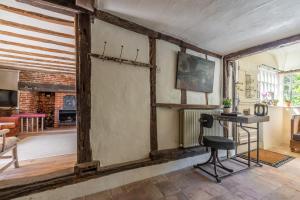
222 166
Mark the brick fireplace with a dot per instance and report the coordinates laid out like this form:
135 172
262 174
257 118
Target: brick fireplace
47 93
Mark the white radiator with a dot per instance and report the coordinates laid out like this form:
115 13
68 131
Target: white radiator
190 127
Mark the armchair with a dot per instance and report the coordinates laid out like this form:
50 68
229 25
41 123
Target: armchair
295 136
7 144
13 131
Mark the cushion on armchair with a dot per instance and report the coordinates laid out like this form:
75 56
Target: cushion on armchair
13 130
296 136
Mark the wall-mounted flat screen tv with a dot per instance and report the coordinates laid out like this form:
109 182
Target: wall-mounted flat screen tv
8 98
194 73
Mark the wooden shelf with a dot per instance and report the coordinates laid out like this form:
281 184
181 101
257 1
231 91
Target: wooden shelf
187 106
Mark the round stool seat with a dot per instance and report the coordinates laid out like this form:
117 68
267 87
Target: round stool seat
218 142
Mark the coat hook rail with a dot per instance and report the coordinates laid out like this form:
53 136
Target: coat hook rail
121 60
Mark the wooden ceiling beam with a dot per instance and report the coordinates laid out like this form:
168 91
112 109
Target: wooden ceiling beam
36 54
35 29
36 59
36 47
263 47
112 19
38 16
32 68
37 64
37 39
62 9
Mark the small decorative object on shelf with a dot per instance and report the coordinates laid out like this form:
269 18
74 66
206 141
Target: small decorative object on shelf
227 105
246 111
261 109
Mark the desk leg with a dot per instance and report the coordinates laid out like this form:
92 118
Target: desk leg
257 146
27 124
249 149
42 128
37 124
22 125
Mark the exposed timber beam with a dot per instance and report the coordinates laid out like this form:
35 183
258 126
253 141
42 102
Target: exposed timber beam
38 60
36 54
38 16
37 64
263 47
35 29
28 86
29 66
290 71
83 88
37 47
32 68
112 19
66 7
37 39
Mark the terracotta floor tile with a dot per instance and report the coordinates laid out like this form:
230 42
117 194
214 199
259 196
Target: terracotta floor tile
167 188
106 195
178 196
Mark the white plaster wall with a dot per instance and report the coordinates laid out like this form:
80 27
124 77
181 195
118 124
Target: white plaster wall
9 79
166 91
120 126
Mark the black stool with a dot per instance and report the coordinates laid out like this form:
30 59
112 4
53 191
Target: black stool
215 143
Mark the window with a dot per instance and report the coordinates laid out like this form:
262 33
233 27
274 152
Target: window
268 82
291 88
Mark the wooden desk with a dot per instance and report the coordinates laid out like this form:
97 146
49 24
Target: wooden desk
241 120
31 116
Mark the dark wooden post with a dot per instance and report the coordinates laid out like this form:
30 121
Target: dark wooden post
83 87
183 91
153 115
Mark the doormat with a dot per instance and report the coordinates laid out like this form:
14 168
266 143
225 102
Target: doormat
267 157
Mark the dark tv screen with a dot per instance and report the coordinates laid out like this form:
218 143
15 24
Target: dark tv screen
8 98
195 73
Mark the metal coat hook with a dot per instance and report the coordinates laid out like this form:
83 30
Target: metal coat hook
137 54
121 52
104 47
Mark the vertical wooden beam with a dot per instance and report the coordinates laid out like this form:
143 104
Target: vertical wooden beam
83 87
225 91
183 91
225 78
206 94
153 114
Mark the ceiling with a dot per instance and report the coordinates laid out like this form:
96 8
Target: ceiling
36 39
221 26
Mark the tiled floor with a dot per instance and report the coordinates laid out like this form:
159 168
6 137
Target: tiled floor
264 183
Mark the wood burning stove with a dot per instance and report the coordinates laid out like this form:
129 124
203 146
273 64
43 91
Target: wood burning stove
67 115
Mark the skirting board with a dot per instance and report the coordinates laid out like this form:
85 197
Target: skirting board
115 180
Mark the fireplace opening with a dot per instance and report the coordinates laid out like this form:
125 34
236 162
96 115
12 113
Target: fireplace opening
67 117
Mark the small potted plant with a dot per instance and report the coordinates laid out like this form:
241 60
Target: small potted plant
287 102
275 102
227 105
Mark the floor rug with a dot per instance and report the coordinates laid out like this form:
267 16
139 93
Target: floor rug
267 157
43 146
